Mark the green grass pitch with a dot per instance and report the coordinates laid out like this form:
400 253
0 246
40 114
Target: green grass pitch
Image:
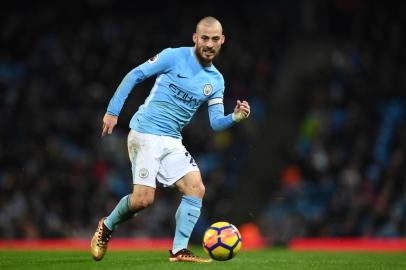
272 259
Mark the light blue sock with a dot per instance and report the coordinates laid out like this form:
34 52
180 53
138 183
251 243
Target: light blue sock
122 212
186 217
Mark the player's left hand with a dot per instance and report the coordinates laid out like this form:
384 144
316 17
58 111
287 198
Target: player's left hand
241 111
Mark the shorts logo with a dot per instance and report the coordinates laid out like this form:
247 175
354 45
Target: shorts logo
153 59
207 89
143 173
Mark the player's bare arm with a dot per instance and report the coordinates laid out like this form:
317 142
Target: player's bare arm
109 122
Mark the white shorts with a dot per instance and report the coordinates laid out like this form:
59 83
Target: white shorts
159 158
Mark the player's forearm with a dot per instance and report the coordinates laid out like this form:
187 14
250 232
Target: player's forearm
221 123
218 120
132 78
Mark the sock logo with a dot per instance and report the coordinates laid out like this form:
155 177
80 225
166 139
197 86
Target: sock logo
191 215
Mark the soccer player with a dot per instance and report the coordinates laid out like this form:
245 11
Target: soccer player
186 78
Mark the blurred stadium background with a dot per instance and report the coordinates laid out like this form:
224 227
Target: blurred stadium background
323 154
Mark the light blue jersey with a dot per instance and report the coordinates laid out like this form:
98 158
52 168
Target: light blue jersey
181 87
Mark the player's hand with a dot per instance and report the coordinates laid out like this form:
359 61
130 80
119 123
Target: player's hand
109 122
241 111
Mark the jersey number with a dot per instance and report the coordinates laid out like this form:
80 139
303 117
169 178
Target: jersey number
192 161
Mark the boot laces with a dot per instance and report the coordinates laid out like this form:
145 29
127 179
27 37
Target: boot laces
103 236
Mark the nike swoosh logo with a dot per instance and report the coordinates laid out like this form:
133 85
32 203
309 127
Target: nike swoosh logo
190 215
180 76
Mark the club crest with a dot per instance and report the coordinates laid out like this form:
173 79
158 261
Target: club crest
143 173
207 89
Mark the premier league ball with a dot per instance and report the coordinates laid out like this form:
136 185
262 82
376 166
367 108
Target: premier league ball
222 241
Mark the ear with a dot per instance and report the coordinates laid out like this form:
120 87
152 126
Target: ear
223 38
194 38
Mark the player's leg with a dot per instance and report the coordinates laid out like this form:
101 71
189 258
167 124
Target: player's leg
192 188
191 185
188 212
177 167
144 168
128 206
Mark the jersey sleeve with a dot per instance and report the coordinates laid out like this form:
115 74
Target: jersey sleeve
132 78
217 96
160 63
218 121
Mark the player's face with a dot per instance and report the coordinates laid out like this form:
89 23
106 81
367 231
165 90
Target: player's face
208 40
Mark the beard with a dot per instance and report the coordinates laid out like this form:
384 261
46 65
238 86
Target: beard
206 55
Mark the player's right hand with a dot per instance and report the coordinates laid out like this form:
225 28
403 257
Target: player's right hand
109 122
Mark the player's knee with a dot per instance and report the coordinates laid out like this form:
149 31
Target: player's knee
191 185
145 202
201 190
197 190
141 202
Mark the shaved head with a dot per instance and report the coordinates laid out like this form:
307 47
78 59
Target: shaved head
208 21
208 40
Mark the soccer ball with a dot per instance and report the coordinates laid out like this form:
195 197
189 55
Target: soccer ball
222 241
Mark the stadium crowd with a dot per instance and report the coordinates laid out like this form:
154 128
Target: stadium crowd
61 62
344 176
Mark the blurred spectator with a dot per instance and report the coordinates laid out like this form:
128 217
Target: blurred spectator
342 176
346 176
59 64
